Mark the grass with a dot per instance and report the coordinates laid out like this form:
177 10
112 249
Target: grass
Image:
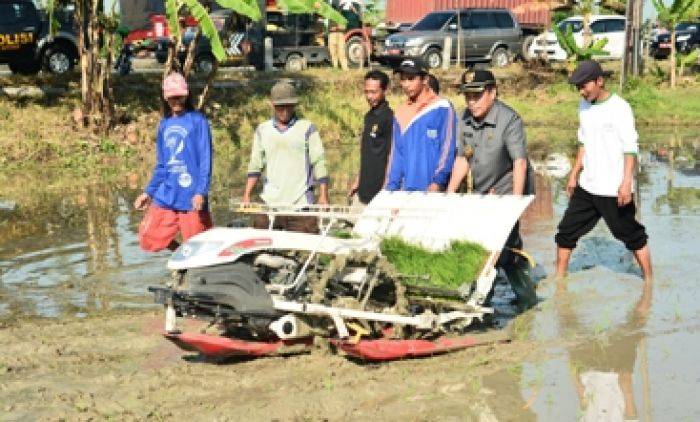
332 100
459 263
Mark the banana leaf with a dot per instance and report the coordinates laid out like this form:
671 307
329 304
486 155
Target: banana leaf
319 7
243 7
688 59
295 6
324 9
171 9
599 45
566 41
208 29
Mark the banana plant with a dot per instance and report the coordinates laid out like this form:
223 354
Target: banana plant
670 16
247 8
574 52
206 27
585 9
683 60
320 7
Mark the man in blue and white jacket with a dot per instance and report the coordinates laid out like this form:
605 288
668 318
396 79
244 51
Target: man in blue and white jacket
423 149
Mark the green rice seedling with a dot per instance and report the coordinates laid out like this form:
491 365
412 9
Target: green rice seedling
450 268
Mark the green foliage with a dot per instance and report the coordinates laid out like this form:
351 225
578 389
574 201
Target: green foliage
208 29
459 263
319 7
678 11
559 16
341 234
670 16
584 7
658 74
243 7
683 60
172 7
372 14
576 53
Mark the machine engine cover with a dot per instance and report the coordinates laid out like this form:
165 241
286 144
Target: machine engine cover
236 285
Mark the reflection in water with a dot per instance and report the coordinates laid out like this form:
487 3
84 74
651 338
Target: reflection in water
68 248
602 366
63 248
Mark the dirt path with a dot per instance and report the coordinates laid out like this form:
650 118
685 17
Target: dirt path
118 366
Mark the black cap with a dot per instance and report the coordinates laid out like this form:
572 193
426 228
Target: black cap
412 67
477 80
587 70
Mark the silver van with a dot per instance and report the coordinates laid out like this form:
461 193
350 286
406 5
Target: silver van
484 35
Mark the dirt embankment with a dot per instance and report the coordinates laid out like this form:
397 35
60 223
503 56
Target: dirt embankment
118 366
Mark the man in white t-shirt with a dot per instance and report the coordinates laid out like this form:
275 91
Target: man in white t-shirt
606 159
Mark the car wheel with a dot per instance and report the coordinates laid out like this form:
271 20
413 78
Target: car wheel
58 60
355 51
500 57
294 63
433 58
204 64
25 68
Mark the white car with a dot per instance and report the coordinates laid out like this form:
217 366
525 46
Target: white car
611 27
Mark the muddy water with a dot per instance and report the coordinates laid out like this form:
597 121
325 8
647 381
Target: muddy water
70 249
611 348
616 349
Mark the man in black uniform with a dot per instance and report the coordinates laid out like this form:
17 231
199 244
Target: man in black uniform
376 139
491 145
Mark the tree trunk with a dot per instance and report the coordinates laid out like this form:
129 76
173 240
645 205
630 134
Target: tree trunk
586 30
207 87
189 60
673 55
95 71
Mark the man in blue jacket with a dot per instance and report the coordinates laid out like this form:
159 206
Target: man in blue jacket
423 150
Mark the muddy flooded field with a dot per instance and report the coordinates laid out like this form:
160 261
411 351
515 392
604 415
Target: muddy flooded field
81 339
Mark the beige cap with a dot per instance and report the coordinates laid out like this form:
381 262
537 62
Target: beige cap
284 93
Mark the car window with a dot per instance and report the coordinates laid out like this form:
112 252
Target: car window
598 27
433 21
482 20
464 18
276 19
14 13
576 26
614 25
687 26
504 20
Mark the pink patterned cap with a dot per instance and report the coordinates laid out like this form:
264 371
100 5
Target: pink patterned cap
175 85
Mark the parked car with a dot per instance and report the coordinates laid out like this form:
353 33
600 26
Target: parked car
687 39
26 44
484 35
611 27
297 40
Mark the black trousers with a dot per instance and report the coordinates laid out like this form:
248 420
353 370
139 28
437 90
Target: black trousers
583 213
